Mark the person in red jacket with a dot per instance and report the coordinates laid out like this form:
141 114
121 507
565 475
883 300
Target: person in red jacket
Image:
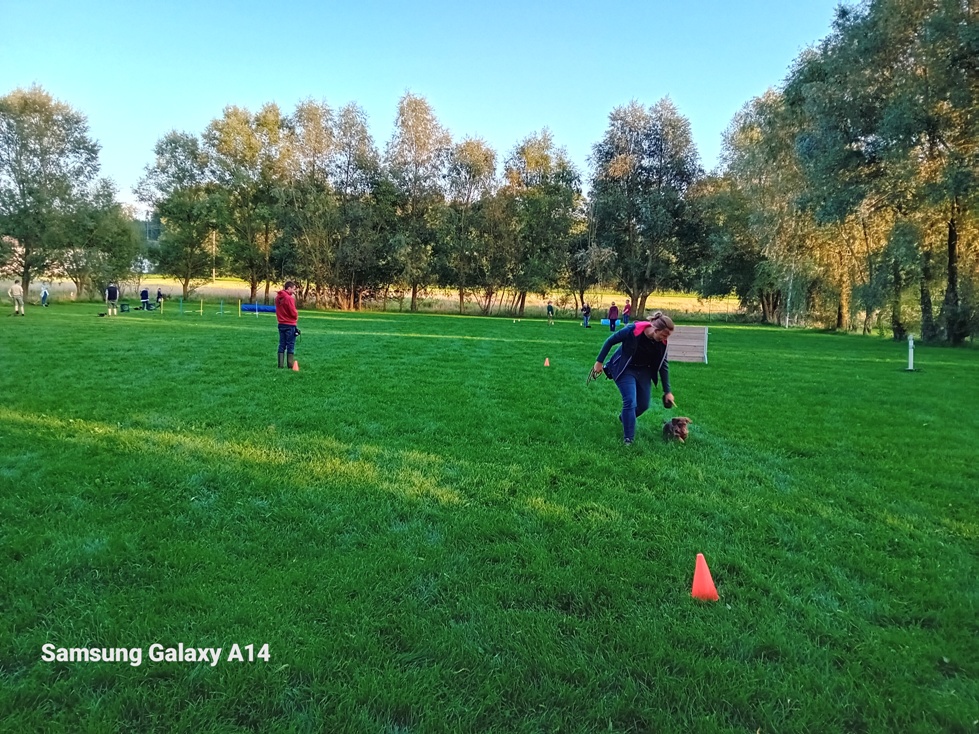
287 316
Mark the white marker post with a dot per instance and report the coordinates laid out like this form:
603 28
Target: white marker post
910 352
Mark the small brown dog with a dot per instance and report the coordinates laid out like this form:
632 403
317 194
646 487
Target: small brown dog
676 428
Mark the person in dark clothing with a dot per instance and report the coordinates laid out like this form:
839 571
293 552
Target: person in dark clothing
287 316
613 316
639 363
626 311
550 313
144 298
112 299
585 315
159 297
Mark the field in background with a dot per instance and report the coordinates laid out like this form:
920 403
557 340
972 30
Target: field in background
231 290
435 533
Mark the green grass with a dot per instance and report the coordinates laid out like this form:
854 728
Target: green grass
435 533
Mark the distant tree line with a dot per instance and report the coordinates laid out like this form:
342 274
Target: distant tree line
845 197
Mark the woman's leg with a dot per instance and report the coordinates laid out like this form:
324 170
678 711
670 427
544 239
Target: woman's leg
644 388
627 387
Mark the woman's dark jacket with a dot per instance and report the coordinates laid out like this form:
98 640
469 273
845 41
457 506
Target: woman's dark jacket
628 337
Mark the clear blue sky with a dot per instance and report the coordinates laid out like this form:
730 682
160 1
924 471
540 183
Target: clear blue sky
498 70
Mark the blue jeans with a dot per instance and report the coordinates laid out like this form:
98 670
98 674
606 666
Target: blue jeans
635 384
287 338
625 319
585 319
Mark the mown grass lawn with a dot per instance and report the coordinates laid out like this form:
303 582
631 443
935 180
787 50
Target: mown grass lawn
433 532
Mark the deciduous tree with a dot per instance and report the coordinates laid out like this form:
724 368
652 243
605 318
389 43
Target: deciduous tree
644 167
48 163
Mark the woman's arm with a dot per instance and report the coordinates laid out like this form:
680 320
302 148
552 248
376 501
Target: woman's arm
616 338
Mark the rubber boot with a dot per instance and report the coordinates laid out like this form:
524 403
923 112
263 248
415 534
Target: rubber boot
290 358
282 360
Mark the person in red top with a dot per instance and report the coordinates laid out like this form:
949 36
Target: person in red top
613 316
287 316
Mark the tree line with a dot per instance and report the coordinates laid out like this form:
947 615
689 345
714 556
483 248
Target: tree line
846 196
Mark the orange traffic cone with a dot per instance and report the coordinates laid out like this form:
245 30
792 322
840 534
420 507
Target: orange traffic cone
703 584
547 362
295 365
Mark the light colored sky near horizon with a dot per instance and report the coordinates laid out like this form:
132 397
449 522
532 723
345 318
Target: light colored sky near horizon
499 71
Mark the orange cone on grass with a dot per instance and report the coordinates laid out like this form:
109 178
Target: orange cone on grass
703 584
295 365
547 362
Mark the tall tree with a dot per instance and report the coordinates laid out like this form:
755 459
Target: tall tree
416 159
47 163
176 184
309 201
545 187
760 162
736 262
248 156
889 102
99 241
368 204
644 167
472 170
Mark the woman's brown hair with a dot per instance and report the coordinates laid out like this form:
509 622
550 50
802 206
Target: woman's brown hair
661 321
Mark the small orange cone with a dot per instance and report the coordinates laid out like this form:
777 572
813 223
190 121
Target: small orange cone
703 584
295 365
547 362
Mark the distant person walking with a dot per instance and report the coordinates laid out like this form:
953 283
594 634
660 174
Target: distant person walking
16 293
613 315
626 311
287 316
112 299
144 298
550 314
585 315
44 296
159 297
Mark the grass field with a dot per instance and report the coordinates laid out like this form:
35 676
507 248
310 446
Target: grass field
433 532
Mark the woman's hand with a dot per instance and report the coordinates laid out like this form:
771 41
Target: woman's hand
598 369
668 401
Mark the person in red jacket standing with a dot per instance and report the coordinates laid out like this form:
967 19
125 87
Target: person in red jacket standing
287 316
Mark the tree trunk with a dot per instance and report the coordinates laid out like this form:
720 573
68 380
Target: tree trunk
953 317
25 280
769 306
640 306
414 297
522 304
897 327
843 311
868 318
79 285
929 329
486 304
